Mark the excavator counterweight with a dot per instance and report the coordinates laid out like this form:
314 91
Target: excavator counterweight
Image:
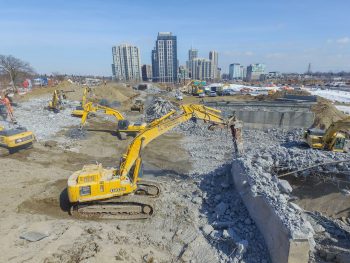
12 140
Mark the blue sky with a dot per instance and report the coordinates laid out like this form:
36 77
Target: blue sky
76 37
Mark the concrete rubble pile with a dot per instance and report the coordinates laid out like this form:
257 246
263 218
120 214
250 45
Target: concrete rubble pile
266 150
44 123
158 108
332 238
152 90
226 223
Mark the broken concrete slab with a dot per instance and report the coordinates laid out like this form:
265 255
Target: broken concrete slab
278 235
33 236
284 186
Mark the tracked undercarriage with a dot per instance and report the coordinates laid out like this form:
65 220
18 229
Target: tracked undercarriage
139 205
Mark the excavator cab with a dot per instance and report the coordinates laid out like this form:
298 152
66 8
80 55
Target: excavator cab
123 125
339 143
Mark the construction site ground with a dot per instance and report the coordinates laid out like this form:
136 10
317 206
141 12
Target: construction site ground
191 164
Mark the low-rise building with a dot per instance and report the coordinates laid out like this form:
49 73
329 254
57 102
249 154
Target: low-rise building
254 71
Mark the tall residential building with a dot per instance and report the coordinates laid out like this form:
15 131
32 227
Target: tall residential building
126 63
214 58
201 69
192 54
146 72
254 71
235 71
164 58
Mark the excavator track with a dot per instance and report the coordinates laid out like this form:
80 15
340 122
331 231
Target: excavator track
120 208
137 206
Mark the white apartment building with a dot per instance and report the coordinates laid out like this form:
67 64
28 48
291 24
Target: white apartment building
126 63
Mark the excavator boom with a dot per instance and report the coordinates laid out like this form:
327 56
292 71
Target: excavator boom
168 122
124 126
90 107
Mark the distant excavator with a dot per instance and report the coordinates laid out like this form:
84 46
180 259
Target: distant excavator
194 87
120 193
124 127
79 110
56 103
332 139
12 140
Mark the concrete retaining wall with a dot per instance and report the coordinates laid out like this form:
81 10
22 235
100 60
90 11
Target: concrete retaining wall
275 119
282 247
260 115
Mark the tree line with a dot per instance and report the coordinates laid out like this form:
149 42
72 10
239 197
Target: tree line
15 69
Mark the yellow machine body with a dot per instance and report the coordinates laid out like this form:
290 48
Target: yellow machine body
12 139
94 182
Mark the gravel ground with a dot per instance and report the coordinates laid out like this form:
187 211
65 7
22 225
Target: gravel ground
34 116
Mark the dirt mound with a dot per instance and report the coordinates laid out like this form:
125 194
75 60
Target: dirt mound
325 114
113 92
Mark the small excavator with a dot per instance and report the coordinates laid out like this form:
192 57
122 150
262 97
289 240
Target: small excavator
120 193
12 140
79 110
56 103
332 139
124 127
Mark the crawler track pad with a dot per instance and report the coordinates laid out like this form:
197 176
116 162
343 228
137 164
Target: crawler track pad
121 208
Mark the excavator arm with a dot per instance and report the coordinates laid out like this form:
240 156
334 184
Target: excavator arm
85 95
169 121
89 107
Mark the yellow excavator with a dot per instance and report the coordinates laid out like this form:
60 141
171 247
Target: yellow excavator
55 104
124 127
120 193
332 139
79 110
194 87
12 140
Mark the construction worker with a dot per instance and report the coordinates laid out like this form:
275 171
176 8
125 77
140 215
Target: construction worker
6 101
236 130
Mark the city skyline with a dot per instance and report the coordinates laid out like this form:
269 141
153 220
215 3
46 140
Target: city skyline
284 36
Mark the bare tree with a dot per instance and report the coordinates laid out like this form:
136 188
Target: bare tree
14 67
